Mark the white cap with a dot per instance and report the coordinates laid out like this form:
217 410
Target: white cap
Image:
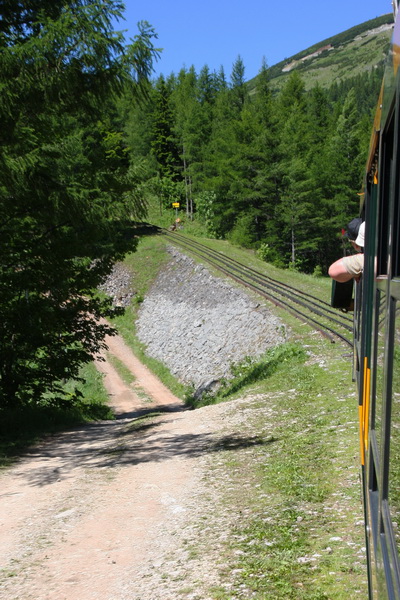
360 237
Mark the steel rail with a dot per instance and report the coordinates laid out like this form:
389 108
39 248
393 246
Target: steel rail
313 306
276 285
250 269
214 258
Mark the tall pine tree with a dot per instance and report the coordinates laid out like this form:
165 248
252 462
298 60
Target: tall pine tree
65 183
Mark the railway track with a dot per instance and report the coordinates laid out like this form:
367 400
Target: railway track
310 309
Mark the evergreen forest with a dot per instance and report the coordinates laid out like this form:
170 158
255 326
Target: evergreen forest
89 136
277 172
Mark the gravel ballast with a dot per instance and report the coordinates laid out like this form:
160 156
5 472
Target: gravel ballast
198 325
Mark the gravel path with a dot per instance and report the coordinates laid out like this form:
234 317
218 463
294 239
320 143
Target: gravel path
108 511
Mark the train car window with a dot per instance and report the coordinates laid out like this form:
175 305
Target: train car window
396 229
388 159
380 365
394 466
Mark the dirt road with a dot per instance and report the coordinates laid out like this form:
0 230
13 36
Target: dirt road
101 512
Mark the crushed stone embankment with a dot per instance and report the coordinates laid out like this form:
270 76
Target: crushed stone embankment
198 325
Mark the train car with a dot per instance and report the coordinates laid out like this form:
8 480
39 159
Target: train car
377 338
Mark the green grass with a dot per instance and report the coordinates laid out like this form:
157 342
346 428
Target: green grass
166 217
141 423
250 371
126 375
298 493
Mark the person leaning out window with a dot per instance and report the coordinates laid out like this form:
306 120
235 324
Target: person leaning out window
350 267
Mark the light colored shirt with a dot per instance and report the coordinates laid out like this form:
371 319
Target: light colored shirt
354 264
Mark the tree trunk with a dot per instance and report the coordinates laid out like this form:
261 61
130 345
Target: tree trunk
293 247
191 198
188 189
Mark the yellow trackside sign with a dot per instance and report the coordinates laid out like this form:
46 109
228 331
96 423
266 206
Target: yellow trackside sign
175 204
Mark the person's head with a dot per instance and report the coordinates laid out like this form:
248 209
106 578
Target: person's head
352 229
359 241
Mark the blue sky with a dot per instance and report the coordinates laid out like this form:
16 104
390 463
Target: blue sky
215 32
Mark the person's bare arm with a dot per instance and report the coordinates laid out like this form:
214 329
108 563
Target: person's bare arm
338 272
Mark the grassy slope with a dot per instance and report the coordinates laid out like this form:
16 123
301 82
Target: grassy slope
355 58
350 57
300 533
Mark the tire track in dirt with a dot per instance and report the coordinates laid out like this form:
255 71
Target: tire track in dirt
145 380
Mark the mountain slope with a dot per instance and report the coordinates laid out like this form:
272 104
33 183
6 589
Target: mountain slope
335 59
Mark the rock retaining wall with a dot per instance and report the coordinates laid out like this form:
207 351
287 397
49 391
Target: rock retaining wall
198 325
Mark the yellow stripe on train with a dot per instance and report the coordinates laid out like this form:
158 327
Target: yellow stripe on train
363 411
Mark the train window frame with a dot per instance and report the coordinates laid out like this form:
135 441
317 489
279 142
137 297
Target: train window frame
386 183
394 242
392 239
395 238
396 229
